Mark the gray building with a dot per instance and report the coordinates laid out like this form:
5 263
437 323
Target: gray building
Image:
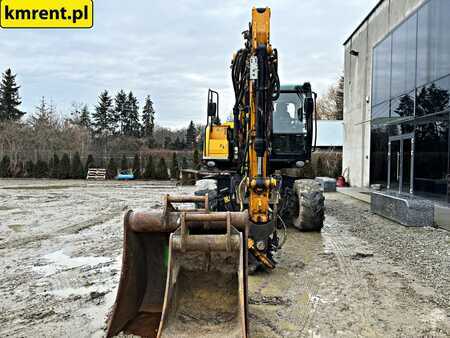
397 99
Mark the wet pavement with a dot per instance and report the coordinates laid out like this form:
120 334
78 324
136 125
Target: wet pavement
60 246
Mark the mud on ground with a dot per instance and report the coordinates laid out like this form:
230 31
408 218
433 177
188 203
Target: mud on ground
60 249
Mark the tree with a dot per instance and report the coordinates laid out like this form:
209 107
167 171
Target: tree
102 115
167 142
29 169
41 169
54 167
90 163
5 167
64 167
161 172
149 171
331 105
184 164
174 168
9 98
196 159
132 124
124 163
111 170
148 121
85 117
136 166
121 110
77 170
44 116
191 135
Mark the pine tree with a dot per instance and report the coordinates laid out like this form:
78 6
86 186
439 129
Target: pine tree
29 169
148 121
132 124
77 170
44 116
102 115
196 159
174 168
136 167
191 135
162 173
85 117
41 169
5 167
121 110
54 166
90 163
64 167
149 172
340 99
19 170
184 163
9 98
124 163
111 170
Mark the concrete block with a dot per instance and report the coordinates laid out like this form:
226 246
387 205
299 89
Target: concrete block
442 216
409 211
327 184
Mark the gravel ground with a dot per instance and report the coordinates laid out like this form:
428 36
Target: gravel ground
363 276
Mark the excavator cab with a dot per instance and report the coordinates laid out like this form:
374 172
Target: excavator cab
292 126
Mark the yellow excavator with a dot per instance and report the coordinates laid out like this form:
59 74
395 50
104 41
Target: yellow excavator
185 267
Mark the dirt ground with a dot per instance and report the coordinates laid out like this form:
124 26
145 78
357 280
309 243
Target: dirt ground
60 251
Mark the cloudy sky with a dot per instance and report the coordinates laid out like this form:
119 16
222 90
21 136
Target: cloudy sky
175 51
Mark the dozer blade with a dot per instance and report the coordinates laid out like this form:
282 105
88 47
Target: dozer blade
183 273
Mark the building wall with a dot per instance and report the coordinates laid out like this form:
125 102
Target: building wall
358 85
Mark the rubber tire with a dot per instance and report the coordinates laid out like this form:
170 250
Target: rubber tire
311 206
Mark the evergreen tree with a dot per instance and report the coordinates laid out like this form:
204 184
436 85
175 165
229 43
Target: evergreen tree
54 166
167 142
29 169
191 135
102 115
5 167
148 121
196 159
111 170
77 170
19 170
41 169
174 168
9 98
121 110
149 172
136 166
124 163
161 172
184 163
64 167
340 99
90 163
85 117
132 124
44 116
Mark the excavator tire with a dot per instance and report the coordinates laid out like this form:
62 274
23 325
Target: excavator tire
311 205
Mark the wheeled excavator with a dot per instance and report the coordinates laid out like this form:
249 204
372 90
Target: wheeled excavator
185 268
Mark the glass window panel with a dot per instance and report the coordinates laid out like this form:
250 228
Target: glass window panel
382 71
380 111
379 156
433 98
423 46
403 106
431 158
404 57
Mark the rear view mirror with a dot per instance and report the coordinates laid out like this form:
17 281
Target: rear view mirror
212 109
309 106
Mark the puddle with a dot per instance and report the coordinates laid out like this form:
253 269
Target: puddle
16 227
59 261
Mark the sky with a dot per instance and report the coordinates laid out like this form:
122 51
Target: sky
174 51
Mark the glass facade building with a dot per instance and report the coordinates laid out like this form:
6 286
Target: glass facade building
411 104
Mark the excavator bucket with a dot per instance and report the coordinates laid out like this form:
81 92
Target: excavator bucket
183 273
